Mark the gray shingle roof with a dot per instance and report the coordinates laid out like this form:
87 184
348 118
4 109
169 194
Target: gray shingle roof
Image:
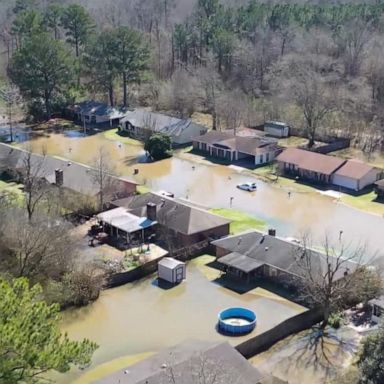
97 108
158 122
77 177
273 251
185 361
173 213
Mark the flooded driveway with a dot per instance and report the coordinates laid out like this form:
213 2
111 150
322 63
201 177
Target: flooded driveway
214 185
141 317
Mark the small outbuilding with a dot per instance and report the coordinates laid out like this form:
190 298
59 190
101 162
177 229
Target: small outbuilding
276 129
171 270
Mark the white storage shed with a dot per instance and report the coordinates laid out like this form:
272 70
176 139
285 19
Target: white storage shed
171 270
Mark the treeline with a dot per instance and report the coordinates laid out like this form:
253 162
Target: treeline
59 56
319 67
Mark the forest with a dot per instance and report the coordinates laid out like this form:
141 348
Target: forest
316 65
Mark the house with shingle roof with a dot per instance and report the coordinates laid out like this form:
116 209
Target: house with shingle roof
231 147
188 362
62 173
187 223
356 175
253 254
349 174
141 123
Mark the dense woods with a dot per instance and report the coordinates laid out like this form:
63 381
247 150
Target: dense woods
317 66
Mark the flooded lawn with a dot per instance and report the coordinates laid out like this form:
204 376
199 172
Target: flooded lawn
142 317
299 359
215 185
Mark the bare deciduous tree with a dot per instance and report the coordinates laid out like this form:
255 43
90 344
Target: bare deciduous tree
336 277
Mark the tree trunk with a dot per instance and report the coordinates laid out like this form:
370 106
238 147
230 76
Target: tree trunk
77 46
124 89
324 323
47 105
110 93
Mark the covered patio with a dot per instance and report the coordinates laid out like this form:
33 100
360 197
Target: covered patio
241 266
123 225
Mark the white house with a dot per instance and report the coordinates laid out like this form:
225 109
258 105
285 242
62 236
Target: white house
276 129
171 270
141 123
377 306
356 175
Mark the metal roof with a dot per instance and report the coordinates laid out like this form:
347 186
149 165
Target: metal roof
170 262
241 262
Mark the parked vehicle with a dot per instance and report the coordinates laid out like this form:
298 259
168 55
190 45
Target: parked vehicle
250 187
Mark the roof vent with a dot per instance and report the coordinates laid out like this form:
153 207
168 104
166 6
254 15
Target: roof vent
164 366
69 163
238 243
262 239
266 248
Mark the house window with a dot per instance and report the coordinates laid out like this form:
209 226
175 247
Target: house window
93 119
267 157
203 146
86 117
377 311
261 158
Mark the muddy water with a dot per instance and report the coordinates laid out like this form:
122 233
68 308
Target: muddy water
214 185
142 317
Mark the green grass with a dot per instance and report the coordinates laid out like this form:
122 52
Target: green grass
364 202
12 190
141 189
113 134
240 221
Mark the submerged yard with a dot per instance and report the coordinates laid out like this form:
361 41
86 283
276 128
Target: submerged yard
141 317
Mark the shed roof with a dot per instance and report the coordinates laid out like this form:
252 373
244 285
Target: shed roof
380 184
120 218
311 161
355 169
173 213
170 262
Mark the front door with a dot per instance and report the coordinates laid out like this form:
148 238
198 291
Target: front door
179 273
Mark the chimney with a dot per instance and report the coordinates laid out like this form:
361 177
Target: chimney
59 177
151 211
272 232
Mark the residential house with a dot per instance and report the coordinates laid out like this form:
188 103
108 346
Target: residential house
96 113
186 362
356 175
309 165
254 254
141 124
379 189
228 146
179 222
276 129
65 174
377 306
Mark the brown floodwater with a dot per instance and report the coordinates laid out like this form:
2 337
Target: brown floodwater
214 185
141 317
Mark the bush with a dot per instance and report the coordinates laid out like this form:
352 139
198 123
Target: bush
159 146
335 320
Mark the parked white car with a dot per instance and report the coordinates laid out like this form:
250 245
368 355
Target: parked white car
250 187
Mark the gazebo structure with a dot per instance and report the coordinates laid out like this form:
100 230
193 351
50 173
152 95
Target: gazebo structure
120 223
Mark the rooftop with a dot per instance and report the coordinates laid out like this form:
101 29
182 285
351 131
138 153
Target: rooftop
354 169
170 262
380 184
173 213
77 177
90 107
251 145
250 250
311 161
120 218
185 362
157 122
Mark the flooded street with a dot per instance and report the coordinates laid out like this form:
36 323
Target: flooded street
214 185
141 317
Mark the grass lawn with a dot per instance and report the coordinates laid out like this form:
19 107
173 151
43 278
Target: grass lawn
141 189
364 202
240 221
113 134
292 141
11 189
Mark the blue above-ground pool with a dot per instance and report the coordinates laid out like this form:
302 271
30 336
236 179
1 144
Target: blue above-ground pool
236 321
